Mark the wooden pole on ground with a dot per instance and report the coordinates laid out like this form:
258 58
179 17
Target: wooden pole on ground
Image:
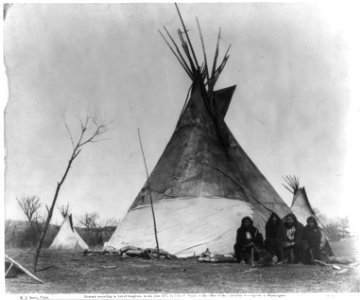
13 262
151 200
8 270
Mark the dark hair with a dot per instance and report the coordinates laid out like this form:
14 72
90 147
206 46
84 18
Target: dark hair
245 219
274 215
312 219
292 216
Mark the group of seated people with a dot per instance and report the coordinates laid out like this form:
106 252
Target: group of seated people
287 241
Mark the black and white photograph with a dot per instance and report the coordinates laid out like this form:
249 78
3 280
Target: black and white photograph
181 149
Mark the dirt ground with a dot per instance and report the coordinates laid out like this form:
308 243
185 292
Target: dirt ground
110 274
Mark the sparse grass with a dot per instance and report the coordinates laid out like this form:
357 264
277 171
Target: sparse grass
73 273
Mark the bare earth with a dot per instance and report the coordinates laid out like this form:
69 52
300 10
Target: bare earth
73 273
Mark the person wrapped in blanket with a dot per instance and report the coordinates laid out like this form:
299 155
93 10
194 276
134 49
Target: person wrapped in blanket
272 243
315 242
248 242
290 238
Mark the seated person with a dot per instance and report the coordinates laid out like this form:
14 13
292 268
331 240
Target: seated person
272 244
315 242
290 239
248 242
312 239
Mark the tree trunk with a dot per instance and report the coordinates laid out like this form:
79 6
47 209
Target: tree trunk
45 228
34 227
50 213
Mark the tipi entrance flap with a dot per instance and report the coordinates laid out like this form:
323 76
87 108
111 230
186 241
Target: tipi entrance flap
221 100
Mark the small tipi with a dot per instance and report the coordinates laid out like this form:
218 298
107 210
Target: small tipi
204 183
301 206
68 238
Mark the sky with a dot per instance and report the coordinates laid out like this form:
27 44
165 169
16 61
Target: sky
292 111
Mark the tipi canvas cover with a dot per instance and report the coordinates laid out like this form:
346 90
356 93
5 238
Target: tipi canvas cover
301 207
204 183
68 238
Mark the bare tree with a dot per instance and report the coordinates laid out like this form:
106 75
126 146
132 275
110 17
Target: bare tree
30 205
104 228
336 228
91 128
340 227
93 231
88 220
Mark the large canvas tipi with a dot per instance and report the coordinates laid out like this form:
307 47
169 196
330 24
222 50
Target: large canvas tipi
68 238
204 183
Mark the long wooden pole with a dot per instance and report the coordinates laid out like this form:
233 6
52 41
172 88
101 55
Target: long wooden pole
215 60
13 262
187 35
151 200
177 49
180 59
204 53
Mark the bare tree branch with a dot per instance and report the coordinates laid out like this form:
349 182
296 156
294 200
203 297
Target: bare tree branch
76 154
69 132
100 140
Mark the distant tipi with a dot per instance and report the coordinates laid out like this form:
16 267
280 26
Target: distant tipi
204 183
68 238
301 206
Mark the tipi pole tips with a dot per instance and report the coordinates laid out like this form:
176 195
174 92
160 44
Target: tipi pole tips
189 60
178 55
293 183
204 53
187 36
